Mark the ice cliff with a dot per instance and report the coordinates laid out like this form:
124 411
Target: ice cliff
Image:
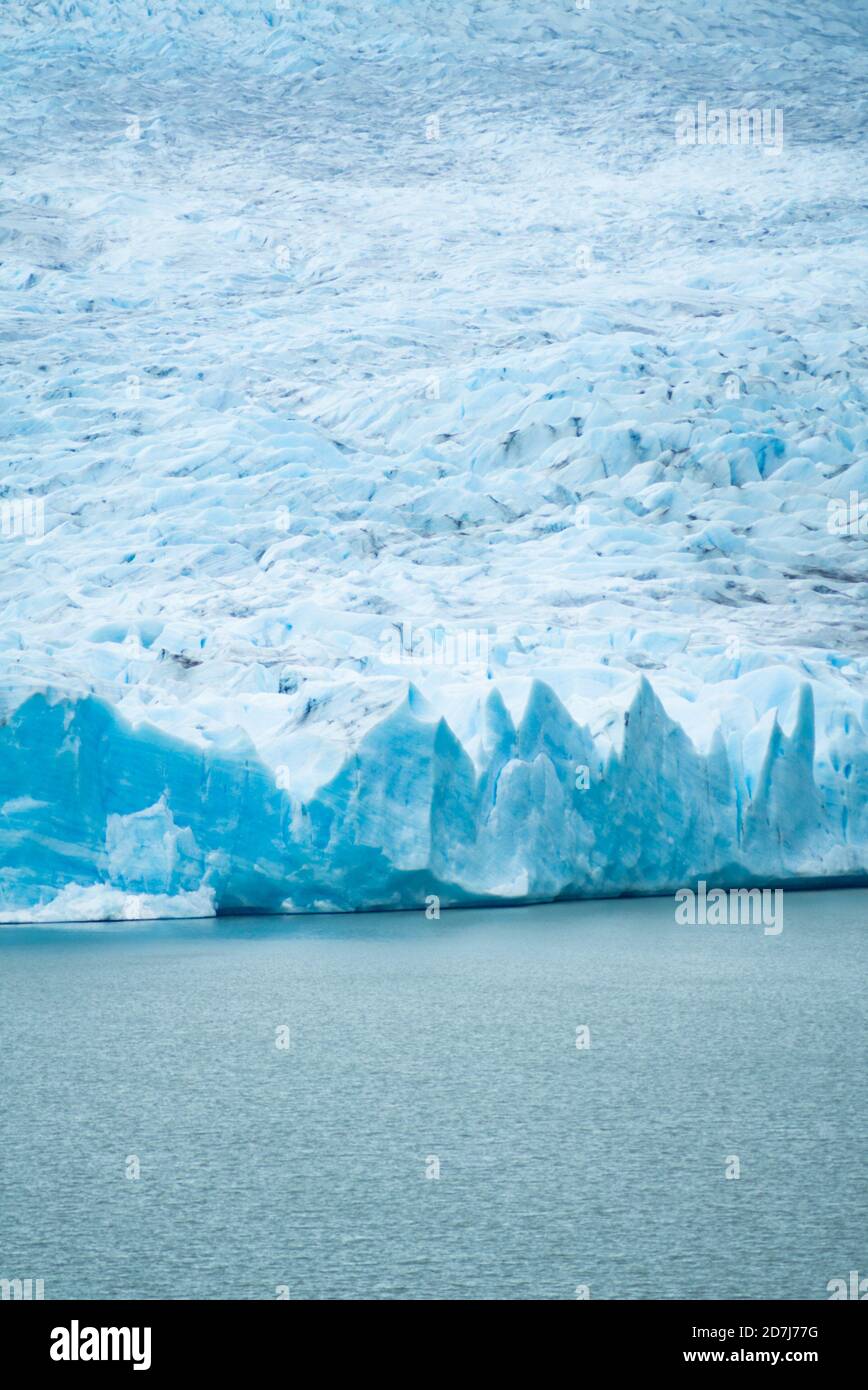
423 475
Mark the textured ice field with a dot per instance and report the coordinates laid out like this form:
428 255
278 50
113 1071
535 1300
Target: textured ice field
423 474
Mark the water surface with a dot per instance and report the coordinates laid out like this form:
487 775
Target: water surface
304 1168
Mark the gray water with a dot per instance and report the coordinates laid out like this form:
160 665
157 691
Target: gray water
303 1168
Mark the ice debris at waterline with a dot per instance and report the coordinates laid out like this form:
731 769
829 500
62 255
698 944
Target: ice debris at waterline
422 473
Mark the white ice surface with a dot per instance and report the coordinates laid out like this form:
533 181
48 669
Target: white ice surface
548 391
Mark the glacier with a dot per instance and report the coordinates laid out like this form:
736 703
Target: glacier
423 474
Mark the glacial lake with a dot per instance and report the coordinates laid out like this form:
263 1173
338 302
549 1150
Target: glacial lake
289 1089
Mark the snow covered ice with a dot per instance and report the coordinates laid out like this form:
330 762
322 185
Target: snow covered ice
424 474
